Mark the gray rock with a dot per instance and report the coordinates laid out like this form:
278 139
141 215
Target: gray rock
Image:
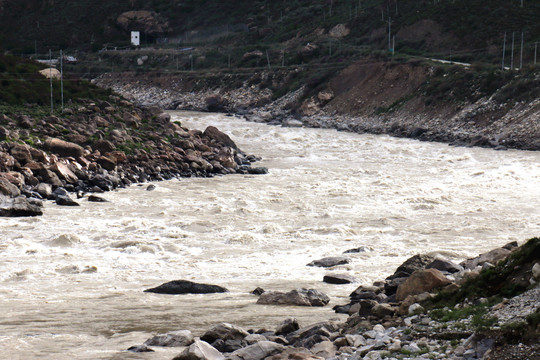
339 279
140 349
95 198
492 257
298 297
382 310
356 250
66 201
200 350
17 207
410 265
330 261
172 339
536 271
7 188
287 326
224 331
44 189
258 351
445 266
185 287
325 349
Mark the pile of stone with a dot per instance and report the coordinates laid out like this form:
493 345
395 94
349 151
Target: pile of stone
100 147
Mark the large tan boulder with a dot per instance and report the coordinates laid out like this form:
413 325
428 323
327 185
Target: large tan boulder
421 281
64 148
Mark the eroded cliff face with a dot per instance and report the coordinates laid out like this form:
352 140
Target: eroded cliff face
451 103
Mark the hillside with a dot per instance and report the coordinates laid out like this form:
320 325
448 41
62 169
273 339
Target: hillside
464 30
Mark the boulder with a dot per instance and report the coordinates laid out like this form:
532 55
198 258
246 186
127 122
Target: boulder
64 200
19 206
8 189
63 148
356 250
410 265
21 153
216 103
172 339
200 350
492 257
421 281
324 349
64 173
140 349
185 287
339 31
257 351
106 163
382 310
214 134
298 297
295 354
536 271
44 189
95 198
445 266
330 261
224 331
287 326
103 146
339 279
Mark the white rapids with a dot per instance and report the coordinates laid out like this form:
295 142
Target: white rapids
72 281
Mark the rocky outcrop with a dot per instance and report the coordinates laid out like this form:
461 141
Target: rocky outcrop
185 287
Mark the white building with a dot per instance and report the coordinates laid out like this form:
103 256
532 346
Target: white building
135 38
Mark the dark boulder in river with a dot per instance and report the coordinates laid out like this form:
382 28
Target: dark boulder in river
186 287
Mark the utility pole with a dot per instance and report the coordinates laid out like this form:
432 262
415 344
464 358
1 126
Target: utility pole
62 78
535 50
521 54
504 51
50 79
389 33
268 59
512 56
393 45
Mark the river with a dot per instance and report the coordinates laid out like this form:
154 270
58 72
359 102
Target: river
72 281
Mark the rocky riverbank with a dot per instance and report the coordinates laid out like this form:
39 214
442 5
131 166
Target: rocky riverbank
100 146
484 308
423 101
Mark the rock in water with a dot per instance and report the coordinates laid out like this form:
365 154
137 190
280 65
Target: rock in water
95 198
19 206
330 261
172 339
339 279
186 287
65 201
299 297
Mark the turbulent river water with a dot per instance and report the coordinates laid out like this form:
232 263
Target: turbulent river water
72 281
